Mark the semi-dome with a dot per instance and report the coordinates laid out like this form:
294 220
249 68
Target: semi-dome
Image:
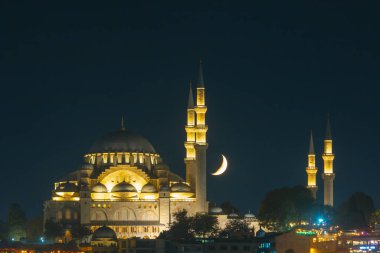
161 166
99 188
67 187
148 188
104 233
180 187
122 141
124 187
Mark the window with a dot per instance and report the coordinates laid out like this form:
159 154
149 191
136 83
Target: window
59 215
67 214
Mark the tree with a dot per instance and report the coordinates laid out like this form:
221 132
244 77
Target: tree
285 206
53 230
236 228
228 208
204 225
180 228
185 227
78 231
374 219
16 222
3 231
356 211
34 229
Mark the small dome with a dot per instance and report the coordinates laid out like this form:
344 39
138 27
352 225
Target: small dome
260 233
233 215
104 233
67 187
148 188
123 187
180 187
99 188
216 210
249 215
122 141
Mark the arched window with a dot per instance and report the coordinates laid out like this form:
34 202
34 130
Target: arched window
59 215
67 214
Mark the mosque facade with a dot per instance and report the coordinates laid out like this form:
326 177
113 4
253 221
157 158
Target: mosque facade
124 183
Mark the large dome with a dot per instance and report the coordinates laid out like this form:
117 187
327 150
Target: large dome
122 141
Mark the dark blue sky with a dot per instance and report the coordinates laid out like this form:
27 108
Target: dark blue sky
273 70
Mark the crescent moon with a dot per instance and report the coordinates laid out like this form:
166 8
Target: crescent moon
222 168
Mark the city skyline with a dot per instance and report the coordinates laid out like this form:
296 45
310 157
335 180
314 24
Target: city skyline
69 81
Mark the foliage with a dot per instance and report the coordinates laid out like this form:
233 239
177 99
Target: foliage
3 231
185 227
327 213
228 208
34 229
374 219
16 222
236 228
53 230
180 228
284 206
78 231
356 211
204 225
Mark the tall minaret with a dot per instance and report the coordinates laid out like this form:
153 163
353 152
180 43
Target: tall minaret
191 172
311 169
201 143
328 172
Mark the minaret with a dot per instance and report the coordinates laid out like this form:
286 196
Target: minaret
201 143
311 169
191 172
328 172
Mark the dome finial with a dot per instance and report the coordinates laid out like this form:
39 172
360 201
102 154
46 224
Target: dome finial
122 123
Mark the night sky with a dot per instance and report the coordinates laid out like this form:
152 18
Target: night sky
273 70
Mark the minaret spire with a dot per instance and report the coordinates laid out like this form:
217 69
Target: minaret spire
122 123
200 83
190 104
328 128
312 169
311 146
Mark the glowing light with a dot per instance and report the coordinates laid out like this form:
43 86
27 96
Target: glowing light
222 168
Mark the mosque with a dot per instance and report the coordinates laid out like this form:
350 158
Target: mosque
124 183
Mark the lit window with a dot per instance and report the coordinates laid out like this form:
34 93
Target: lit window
67 214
